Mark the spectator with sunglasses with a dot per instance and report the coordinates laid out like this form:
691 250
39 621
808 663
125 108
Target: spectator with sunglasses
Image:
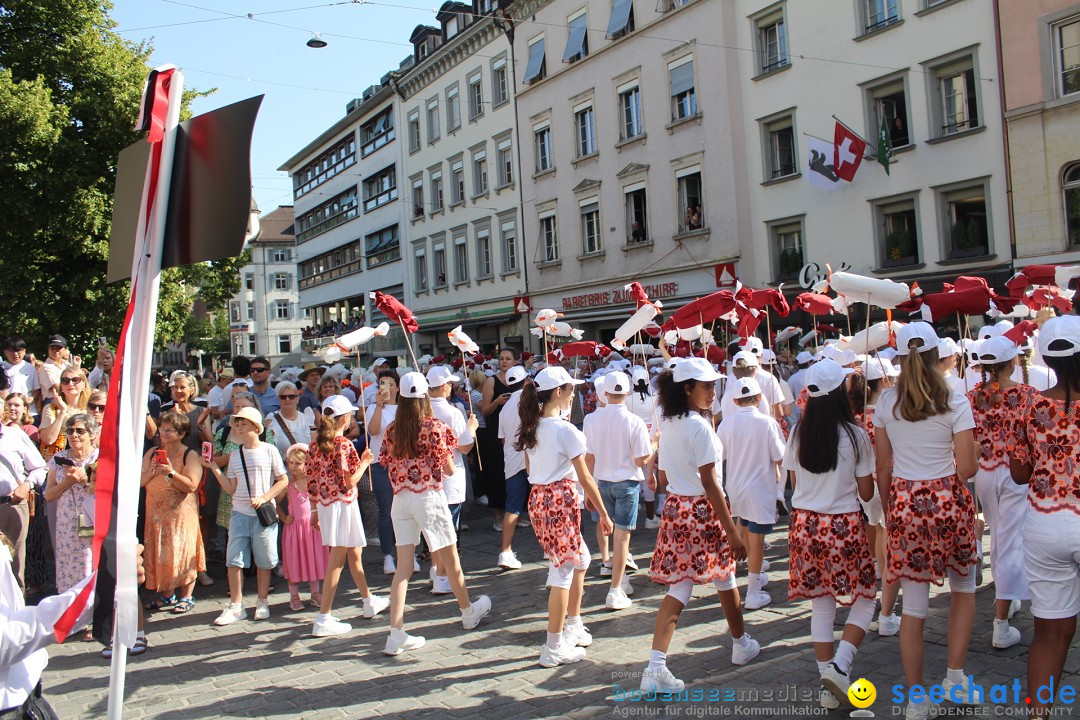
69 487
183 387
291 426
69 400
260 388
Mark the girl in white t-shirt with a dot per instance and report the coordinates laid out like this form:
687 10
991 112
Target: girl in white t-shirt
926 452
830 462
554 454
697 542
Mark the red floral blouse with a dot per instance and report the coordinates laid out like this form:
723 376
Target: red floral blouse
993 422
434 447
329 473
1048 438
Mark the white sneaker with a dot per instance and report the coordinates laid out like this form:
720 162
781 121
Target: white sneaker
836 682
1014 607
757 600
329 627
617 600
764 579
230 615
921 711
375 605
577 636
660 681
1005 637
563 655
415 564
389 567
509 560
496 526
397 643
652 523
441 586
482 500
605 569
626 587
631 565
477 611
828 700
432 575
262 609
963 694
888 625
742 654
765 566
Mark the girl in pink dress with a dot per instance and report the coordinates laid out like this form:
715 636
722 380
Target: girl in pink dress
304 554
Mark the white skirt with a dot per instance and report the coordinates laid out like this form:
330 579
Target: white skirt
341 525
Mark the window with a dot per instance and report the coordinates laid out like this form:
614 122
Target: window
1067 55
341 261
280 255
282 281
476 96
771 39
630 112
1071 188
341 155
414 132
453 109
778 135
380 188
590 227
483 253
967 230
542 146
509 246
249 281
330 214
622 19
433 120
251 345
461 260
536 70
382 246
896 225
377 132
690 199
439 256
636 214
954 95
420 267
436 192
500 88
234 311
577 41
683 97
586 131
505 160
457 183
418 208
549 233
480 176
281 309
878 14
889 102
451 27
284 344
786 241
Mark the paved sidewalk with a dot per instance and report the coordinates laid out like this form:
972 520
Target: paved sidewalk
276 669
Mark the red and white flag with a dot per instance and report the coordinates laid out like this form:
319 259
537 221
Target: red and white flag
848 149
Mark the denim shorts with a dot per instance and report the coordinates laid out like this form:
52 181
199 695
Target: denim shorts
756 528
517 493
621 501
247 537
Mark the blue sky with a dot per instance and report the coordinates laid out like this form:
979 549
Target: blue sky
306 89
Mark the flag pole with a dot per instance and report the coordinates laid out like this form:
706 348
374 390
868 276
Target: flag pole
476 440
363 412
408 344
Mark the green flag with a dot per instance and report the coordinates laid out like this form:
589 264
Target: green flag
884 145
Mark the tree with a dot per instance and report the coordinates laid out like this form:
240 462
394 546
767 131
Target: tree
69 96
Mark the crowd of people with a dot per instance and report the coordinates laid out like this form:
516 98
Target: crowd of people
890 466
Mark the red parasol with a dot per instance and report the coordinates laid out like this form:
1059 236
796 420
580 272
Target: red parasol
815 303
579 348
704 309
392 308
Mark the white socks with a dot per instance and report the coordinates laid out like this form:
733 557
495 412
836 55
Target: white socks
822 666
956 676
753 583
742 641
554 640
657 660
323 618
845 656
573 621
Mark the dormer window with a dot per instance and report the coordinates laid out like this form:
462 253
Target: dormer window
422 50
451 27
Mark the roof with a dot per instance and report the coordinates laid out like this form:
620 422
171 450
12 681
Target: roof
277 226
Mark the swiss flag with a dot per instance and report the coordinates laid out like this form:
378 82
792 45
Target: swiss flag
848 149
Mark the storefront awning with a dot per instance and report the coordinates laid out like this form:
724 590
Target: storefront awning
466 323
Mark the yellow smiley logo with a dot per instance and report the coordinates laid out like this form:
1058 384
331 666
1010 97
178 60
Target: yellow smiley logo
862 693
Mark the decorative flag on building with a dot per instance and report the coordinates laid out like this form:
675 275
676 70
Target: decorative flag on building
884 145
848 149
819 164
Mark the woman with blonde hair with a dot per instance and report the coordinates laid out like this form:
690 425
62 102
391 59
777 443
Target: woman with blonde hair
17 414
926 453
69 400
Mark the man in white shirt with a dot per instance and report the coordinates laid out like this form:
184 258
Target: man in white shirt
50 371
797 380
215 397
21 469
440 385
517 478
22 376
619 447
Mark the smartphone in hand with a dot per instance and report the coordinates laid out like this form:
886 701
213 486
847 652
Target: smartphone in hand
161 457
208 451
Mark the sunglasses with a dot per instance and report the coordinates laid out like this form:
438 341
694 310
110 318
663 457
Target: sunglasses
287 397
71 381
79 431
95 407
260 369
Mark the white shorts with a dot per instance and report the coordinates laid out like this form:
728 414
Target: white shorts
341 525
1052 560
425 512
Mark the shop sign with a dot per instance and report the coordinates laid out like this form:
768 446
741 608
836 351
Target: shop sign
812 273
616 297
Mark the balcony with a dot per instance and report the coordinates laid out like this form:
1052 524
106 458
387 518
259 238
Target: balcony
349 268
374 201
376 142
328 224
384 256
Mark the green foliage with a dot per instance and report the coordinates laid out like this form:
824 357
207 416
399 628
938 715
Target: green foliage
899 245
69 97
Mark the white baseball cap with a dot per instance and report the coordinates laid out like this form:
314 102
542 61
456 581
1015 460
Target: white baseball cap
554 377
515 375
616 383
753 344
804 357
1064 329
696 369
916 331
639 374
749 358
674 363
746 387
947 347
874 370
825 376
440 375
768 357
336 405
997 349
887 353
840 357
413 385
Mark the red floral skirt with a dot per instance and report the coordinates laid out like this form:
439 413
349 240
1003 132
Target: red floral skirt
555 514
931 529
691 543
830 555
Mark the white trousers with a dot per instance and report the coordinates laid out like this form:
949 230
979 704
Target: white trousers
1004 503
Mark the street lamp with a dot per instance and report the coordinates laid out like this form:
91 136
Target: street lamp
316 41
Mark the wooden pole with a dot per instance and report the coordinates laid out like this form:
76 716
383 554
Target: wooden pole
866 346
408 344
476 440
363 410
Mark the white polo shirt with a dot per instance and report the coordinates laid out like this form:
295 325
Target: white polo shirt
453 485
687 443
923 450
557 444
836 491
750 477
509 423
616 437
23 377
644 409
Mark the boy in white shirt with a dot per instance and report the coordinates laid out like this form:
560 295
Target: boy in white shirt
751 478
